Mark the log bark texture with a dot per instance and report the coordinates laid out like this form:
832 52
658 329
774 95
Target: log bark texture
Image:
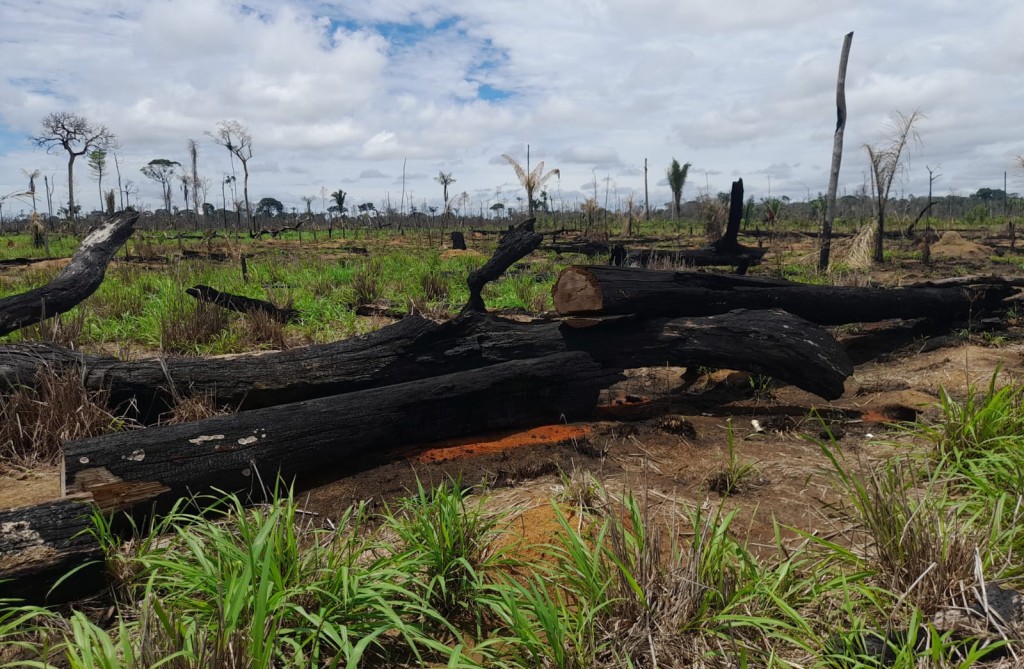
78 280
618 290
517 243
244 452
41 543
243 304
417 348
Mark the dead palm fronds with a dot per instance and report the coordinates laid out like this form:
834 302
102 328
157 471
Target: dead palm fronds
886 163
531 180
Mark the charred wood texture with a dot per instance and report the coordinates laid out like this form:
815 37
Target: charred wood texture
619 290
414 348
40 544
304 441
517 243
245 305
78 280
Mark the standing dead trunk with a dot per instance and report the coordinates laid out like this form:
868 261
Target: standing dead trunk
837 156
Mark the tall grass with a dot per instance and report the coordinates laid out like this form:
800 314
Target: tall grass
621 583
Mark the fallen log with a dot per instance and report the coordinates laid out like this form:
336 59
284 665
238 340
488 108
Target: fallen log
417 348
302 441
245 305
619 290
744 258
40 544
78 280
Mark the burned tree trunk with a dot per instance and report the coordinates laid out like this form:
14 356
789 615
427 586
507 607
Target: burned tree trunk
517 243
242 304
40 544
616 290
414 348
725 250
302 441
78 280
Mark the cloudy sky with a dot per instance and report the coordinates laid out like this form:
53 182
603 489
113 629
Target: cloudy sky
341 94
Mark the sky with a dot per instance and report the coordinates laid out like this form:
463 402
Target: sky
347 95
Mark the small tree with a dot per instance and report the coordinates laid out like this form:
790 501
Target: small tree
98 167
531 180
77 136
886 161
445 179
163 172
676 180
236 138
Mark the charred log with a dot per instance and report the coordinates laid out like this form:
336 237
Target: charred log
305 440
78 280
619 290
245 305
40 544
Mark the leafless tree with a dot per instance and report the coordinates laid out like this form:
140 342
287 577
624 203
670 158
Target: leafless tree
77 136
886 161
236 138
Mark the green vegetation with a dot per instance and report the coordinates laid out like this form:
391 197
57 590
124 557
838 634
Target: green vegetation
436 581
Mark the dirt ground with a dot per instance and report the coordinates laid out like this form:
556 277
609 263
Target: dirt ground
659 433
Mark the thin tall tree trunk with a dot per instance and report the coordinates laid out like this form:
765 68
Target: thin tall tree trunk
647 199
71 186
837 156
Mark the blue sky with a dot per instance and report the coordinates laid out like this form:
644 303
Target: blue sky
341 94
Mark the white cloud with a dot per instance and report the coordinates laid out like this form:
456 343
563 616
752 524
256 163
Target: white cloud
331 90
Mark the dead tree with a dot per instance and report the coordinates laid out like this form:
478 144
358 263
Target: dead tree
596 289
78 280
306 441
245 305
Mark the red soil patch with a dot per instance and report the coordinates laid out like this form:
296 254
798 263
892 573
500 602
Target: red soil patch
452 449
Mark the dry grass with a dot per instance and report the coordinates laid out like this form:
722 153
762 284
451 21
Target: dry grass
261 330
191 408
859 252
918 548
36 422
186 324
63 330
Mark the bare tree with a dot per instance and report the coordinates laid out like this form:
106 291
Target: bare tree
77 136
163 172
531 180
236 138
98 167
886 161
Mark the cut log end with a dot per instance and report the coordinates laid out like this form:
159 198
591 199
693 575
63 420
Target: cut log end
577 292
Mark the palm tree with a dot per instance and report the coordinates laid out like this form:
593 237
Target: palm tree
445 179
338 197
676 181
533 179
